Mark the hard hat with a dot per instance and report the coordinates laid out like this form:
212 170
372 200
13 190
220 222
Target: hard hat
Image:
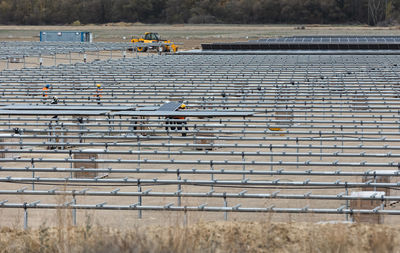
55 97
183 106
47 86
98 85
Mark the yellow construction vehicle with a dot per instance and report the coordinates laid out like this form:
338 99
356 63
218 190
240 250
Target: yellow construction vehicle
150 37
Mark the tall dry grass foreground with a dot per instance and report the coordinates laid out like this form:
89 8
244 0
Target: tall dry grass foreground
207 237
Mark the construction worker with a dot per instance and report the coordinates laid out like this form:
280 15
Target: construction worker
98 93
182 122
45 90
55 100
183 107
98 90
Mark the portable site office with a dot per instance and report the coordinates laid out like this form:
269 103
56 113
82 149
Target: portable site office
66 36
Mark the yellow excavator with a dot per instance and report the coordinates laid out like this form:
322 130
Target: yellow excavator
150 37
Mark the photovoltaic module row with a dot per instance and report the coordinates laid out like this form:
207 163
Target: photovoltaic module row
313 43
341 39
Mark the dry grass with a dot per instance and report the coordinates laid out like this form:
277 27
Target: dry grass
206 237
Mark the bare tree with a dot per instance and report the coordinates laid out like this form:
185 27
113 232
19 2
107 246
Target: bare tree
376 11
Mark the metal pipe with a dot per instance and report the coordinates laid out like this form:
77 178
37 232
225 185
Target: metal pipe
155 181
127 137
211 153
308 172
214 145
85 128
392 164
211 194
207 209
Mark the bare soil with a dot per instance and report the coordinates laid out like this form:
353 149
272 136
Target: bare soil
191 36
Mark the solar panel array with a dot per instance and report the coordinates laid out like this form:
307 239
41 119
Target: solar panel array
19 49
310 133
340 39
313 43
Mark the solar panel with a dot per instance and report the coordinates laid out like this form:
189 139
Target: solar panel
53 112
186 113
313 43
148 108
63 107
171 106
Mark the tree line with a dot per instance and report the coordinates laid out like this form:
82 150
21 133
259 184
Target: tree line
51 12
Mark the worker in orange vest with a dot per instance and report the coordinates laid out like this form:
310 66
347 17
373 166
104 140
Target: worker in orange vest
45 90
98 90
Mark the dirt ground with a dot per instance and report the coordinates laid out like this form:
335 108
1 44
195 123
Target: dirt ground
124 219
191 36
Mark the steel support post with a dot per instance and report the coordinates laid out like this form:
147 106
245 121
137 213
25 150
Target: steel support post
139 199
25 216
